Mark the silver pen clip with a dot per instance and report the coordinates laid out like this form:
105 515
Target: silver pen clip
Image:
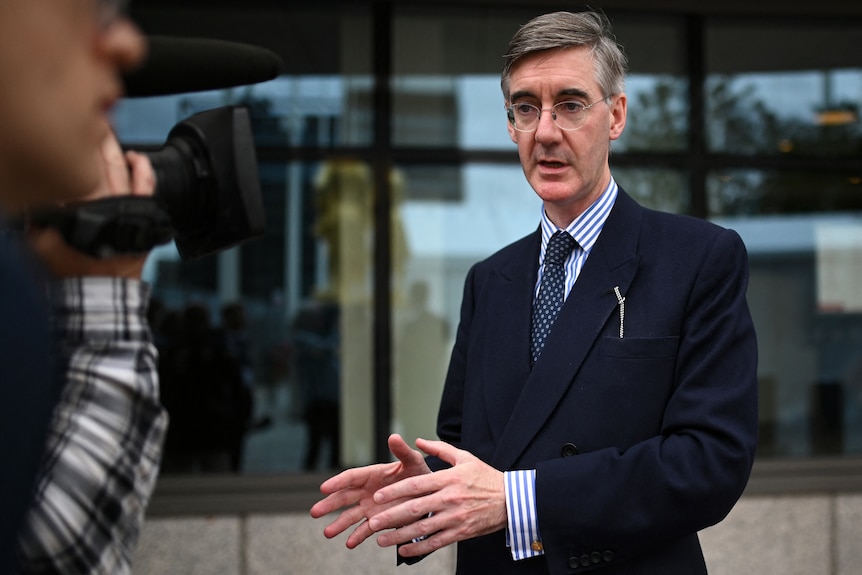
622 302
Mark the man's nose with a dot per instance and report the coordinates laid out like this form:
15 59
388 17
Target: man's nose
547 129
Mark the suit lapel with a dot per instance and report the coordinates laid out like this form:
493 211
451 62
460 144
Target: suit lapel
507 345
612 262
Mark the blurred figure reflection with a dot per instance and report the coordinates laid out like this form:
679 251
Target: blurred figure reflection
203 393
422 352
317 371
237 344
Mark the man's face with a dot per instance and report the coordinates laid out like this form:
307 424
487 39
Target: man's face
60 62
567 169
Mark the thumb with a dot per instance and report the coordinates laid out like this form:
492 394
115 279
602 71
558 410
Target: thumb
406 454
448 453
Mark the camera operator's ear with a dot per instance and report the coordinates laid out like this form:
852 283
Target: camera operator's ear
178 65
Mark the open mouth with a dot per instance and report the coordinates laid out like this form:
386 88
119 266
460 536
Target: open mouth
554 165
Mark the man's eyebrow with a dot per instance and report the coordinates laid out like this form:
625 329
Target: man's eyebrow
520 94
564 92
573 92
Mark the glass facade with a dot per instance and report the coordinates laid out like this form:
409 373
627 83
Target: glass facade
794 110
769 93
384 181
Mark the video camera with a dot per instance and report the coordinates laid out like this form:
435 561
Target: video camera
207 195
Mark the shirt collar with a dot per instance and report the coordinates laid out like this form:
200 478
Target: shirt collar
587 226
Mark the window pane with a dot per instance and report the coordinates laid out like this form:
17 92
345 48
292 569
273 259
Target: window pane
305 293
448 224
656 87
312 111
752 192
446 85
304 287
659 189
767 92
803 293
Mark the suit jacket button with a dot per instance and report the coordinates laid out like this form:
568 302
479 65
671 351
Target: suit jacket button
608 556
585 560
574 563
569 449
596 557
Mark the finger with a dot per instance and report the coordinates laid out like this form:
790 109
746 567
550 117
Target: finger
359 535
358 515
427 545
409 489
143 182
412 460
336 501
399 513
419 481
350 479
360 477
402 450
448 453
115 166
344 521
420 537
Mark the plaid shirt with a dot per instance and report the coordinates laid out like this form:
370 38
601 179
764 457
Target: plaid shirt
106 435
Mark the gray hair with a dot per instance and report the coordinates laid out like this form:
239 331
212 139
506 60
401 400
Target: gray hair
567 29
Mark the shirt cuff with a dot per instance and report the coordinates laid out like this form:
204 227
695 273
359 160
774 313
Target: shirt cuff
522 532
100 309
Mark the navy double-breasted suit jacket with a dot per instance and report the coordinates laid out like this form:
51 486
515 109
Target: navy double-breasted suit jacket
638 441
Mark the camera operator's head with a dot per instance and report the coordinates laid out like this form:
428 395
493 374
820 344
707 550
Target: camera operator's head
60 61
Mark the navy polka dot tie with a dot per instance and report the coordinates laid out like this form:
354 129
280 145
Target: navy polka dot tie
551 291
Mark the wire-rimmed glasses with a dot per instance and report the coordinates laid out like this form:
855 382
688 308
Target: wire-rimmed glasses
568 115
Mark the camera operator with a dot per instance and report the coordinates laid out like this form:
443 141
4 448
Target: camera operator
100 453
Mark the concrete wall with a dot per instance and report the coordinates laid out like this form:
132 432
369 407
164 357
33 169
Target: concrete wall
787 535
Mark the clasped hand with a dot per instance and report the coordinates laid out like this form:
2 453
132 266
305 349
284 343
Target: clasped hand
403 500
122 174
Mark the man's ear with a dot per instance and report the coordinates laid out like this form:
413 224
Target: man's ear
511 129
618 111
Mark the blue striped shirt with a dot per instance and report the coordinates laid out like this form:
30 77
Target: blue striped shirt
522 533
585 229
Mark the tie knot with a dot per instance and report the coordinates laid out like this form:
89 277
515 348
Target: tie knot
559 247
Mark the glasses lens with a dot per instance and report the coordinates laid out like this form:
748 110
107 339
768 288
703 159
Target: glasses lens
524 117
566 115
569 115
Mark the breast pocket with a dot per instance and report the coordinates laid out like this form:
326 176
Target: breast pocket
640 347
636 381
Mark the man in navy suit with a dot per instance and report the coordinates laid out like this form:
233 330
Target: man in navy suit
609 444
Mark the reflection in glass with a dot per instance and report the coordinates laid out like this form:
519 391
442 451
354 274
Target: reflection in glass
449 111
445 233
656 86
468 112
290 340
657 118
766 92
802 293
751 192
446 83
658 189
312 111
